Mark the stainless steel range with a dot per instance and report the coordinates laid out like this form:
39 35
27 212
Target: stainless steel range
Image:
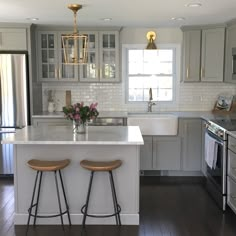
216 176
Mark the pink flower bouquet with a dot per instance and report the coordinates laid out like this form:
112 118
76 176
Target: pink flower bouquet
80 113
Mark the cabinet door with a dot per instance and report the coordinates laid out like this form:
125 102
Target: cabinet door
146 154
109 58
204 165
191 132
65 72
212 58
230 43
13 39
166 153
47 56
191 55
42 122
90 72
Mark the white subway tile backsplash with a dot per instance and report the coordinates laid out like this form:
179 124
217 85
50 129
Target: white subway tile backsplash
110 97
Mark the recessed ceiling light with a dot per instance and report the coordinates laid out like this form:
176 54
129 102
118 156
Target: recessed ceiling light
32 18
107 19
193 4
178 18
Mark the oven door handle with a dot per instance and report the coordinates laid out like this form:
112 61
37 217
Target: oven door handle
215 137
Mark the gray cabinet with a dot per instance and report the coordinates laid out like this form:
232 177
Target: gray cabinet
51 66
175 153
212 57
103 58
109 56
166 153
146 161
13 39
42 122
230 44
191 134
231 174
191 55
203 55
160 153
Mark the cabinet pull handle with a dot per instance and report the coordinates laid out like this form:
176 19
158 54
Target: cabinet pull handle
232 65
55 71
187 73
59 73
100 73
202 73
233 168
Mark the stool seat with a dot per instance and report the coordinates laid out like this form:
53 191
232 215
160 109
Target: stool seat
48 165
100 165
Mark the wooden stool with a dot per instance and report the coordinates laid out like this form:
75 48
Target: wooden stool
40 167
101 166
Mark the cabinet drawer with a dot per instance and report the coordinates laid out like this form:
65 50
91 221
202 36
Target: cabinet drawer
232 164
232 144
231 193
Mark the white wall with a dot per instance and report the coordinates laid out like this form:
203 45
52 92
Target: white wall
190 96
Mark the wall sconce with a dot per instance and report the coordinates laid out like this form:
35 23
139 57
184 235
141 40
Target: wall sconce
151 36
75 46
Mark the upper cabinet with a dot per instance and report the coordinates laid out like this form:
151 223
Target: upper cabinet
203 54
103 58
191 55
230 54
109 56
51 66
13 39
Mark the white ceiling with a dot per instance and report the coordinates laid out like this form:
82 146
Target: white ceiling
124 13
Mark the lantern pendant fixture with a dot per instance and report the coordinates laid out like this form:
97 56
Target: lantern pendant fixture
75 46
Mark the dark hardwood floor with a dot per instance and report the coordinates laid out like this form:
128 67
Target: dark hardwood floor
165 210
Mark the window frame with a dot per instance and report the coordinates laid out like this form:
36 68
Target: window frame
176 71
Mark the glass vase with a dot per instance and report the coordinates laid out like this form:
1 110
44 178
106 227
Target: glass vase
79 127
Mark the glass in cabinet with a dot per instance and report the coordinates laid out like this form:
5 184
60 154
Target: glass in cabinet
51 59
109 58
89 71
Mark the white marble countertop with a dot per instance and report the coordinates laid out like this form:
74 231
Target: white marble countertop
206 115
99 135
60 114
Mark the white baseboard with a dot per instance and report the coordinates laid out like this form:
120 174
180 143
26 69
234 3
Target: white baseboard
76 219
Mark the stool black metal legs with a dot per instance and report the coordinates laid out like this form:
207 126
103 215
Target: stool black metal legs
117 207
32 201
35 215
65 199
88 196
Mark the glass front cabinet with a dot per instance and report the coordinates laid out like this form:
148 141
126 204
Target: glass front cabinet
51 66
103 58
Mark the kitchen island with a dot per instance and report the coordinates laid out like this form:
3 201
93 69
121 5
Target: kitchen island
98 144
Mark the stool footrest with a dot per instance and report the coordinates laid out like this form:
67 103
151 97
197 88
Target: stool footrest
102 216
46 216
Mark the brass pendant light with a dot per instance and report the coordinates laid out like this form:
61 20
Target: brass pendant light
151 36
75 46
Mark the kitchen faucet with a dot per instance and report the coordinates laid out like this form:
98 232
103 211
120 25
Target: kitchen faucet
150 103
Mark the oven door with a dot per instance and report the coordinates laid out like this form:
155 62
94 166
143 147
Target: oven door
216 177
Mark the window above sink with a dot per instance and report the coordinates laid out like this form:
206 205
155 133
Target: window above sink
145 69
